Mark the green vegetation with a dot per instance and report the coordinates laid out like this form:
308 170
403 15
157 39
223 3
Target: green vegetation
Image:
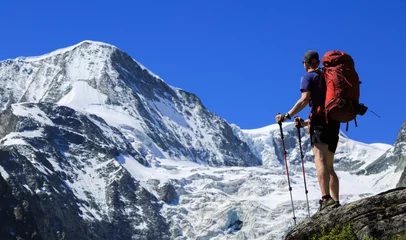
347 233
398 237
337 233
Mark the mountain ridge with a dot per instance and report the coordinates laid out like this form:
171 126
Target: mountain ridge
154 108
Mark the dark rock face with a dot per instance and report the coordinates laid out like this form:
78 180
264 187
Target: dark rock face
64 180
402 180
395 156
16 219
380 216
168 193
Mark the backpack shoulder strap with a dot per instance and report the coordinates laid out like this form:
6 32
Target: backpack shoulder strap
320 74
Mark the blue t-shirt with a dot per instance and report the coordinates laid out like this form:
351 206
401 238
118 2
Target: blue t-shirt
310 82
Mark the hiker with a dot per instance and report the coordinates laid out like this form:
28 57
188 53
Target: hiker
323 135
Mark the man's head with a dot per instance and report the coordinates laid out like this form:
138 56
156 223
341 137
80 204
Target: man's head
311 60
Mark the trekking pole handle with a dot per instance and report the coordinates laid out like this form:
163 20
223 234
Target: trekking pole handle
299 120
280 120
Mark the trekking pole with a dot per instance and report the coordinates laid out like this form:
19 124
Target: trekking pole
287 170
304 175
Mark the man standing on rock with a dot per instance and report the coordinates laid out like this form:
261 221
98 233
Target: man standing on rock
323 136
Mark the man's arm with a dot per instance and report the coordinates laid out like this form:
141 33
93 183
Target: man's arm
305 88
306 123
300 104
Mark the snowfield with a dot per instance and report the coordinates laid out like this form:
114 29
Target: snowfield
212 199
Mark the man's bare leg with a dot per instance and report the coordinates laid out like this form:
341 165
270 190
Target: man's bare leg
320 151
334 182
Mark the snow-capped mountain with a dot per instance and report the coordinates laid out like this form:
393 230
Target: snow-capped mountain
102 148
98 78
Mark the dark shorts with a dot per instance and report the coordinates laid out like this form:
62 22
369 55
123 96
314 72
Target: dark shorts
322 132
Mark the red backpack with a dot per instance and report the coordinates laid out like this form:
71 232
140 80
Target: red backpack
343 87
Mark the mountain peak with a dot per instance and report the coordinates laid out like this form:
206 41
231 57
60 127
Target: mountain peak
85 43
96 42
91 45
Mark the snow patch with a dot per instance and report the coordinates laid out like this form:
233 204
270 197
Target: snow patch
4 173
82 95
28 188
16 138
31 111
169 111
8 142
381 146
268 129
137 170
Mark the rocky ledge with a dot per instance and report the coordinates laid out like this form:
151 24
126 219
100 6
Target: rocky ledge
377 217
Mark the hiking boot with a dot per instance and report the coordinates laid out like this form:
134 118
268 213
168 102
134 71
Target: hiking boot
336 204
325 202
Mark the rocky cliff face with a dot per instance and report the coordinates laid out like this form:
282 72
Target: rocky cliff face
65 180
395 156
380 217
402 180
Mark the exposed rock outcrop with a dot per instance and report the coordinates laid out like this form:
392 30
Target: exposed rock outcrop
402 180
379 216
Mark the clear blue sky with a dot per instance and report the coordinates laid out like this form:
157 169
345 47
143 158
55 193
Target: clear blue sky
242 58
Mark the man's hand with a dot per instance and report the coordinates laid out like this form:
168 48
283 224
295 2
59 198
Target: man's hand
300 122
279 118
